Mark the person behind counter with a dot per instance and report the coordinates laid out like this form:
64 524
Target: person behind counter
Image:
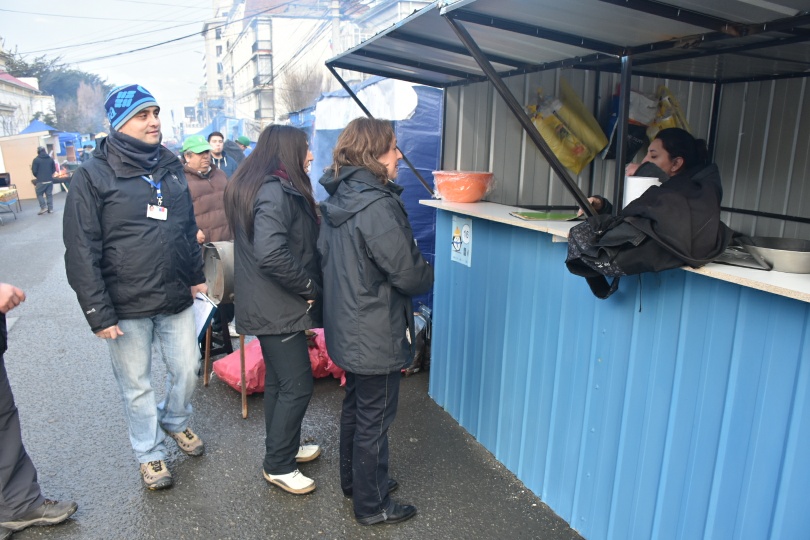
676 153
371 268
277 281
683 213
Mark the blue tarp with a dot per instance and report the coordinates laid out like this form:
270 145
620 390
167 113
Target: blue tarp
230 127
419 138
36 126
69 139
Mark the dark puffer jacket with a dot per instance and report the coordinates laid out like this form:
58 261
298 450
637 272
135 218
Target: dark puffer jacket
208 197
43 167
371 268
120 263
277 272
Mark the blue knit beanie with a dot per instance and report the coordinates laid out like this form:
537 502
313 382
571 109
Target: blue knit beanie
124 102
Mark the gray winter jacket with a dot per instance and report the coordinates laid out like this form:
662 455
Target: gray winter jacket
371 268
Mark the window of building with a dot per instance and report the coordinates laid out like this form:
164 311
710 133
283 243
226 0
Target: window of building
219 50
218 33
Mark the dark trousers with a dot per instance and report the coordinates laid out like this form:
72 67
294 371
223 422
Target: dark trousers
288 388
369 408
44 193
19 490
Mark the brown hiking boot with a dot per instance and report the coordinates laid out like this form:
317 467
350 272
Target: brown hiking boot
156 475
189 442
48 513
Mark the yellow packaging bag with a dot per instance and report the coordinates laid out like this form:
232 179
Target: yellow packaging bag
669 114
569 129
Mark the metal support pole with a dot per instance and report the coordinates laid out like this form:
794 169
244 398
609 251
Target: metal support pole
715 118
521 115
621 132
368 113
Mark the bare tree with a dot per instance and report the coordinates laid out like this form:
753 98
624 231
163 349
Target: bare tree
300 88
85 113
8 125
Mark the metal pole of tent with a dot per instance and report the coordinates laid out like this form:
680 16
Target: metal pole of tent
521 115
368 113
621 132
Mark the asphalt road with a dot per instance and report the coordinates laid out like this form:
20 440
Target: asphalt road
74 429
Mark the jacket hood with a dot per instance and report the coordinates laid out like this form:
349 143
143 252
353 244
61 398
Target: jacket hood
354 189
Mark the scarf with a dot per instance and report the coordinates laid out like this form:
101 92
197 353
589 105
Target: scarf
134 152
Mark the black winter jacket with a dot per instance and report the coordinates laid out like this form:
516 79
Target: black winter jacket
121 264
371 268
43 168
277 272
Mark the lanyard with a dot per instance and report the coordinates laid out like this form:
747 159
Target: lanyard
157 188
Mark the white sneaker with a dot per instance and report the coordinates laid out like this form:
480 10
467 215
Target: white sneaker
232 329
294 482
307 452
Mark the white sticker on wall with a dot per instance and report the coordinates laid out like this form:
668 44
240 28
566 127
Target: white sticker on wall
461 250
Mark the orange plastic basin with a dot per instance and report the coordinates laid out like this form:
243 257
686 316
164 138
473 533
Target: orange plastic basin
462 186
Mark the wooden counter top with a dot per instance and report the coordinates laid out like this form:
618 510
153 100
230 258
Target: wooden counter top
796 286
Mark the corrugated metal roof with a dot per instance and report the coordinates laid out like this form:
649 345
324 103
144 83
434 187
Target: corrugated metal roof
718 41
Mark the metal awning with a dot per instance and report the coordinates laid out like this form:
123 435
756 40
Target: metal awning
710 41
460 42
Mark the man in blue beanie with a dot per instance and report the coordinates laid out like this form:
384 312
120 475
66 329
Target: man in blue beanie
133 260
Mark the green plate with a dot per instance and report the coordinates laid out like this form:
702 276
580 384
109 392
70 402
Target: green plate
544 216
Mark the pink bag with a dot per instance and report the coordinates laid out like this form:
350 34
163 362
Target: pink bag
229 369
322 365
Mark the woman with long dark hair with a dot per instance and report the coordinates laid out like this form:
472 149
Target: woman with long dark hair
277 285
371 269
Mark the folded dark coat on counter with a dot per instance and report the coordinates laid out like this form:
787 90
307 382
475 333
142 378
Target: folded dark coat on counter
670 225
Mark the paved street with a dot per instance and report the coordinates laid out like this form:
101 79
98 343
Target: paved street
74 429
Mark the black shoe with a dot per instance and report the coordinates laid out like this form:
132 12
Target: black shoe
392 486
398 513
48 513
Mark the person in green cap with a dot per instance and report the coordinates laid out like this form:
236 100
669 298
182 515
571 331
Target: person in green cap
244 144
207 184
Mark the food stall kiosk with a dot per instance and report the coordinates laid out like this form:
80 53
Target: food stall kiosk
680 406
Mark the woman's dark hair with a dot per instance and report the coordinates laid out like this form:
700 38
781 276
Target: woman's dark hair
679 143
279 149
361 143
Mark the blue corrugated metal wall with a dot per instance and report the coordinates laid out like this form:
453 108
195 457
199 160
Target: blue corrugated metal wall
687 419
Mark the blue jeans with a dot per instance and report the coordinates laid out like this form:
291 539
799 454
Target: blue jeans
175 337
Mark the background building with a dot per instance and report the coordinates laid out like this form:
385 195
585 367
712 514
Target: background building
20 100
265 58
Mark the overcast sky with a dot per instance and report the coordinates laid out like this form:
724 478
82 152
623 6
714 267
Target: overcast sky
172 72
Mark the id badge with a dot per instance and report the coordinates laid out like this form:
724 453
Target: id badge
154 211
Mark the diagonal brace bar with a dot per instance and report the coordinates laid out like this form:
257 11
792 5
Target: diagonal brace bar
521 116
368 113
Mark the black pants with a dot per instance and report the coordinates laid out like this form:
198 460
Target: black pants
19 490
369 408
287 390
